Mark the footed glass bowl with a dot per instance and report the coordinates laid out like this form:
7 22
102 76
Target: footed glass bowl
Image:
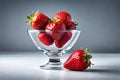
54 44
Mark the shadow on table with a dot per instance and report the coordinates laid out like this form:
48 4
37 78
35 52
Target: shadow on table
102 69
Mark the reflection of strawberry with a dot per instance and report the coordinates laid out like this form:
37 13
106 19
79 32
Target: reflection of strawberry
65 38
54 28
64 16
45 39
38 20
78 60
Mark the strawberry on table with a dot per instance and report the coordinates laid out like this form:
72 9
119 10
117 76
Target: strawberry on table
79 60
38 20
45 39
64 16
55 29
65 38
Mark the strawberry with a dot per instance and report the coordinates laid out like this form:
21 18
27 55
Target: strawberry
45 39
79 60
55 29
65 38
38 20
71 25
64 16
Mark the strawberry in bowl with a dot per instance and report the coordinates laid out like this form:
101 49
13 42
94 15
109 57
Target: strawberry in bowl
55 27
38 20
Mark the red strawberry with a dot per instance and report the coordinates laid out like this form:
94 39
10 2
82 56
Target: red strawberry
55 29
45 39
64 16
79 60
71 25
66 37
38 20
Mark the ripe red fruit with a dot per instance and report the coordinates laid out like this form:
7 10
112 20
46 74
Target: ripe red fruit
71 25
65 38
38 20
64 16
45 39
55 29
79 60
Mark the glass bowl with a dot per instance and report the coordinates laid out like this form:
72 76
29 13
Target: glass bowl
54 44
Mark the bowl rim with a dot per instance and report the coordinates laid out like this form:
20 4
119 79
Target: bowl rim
52 30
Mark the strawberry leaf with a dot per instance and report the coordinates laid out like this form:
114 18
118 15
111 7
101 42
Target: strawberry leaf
88 56
76 23
30 18
53 20
33 14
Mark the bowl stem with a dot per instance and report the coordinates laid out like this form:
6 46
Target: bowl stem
54 62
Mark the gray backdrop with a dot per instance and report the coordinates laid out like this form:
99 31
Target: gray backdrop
99 21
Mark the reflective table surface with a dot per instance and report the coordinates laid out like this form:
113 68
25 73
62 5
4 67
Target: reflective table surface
17 65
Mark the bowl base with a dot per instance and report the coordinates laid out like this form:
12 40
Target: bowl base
52 66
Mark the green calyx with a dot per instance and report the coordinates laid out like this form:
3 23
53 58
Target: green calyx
55 20
30 18
76 23
88 57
